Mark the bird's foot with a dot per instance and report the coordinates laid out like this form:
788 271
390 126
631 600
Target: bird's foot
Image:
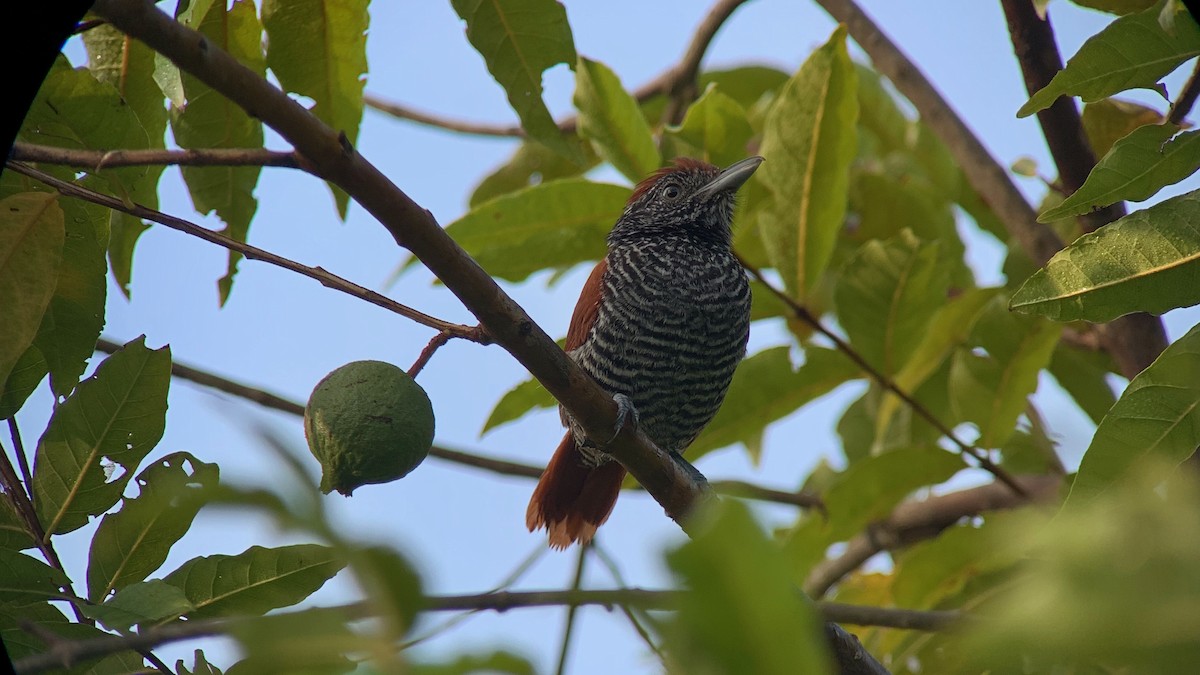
626 414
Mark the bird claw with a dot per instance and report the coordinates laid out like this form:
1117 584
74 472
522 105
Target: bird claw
626 412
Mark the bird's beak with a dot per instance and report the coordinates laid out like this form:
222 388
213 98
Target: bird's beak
732 178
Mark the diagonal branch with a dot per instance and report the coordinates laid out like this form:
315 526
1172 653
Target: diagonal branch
918 520
1134 342
327 279
965 449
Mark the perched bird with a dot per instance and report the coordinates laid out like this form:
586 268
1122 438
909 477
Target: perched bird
661 324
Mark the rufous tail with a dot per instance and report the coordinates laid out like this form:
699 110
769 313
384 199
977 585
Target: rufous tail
572 500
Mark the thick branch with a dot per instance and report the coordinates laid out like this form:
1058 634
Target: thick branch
733 488
95 160
915 521
318 274
74 652
1134 341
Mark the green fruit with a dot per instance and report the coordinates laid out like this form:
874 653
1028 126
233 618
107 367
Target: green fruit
367 422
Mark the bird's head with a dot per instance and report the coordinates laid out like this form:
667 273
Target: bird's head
690 198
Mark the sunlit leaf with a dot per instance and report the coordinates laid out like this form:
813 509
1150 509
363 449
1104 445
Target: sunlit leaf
809 142
31 251
255 581
209 120
1146 261
1136 168
1132 52
1156 421
318 49
519 39
554 224
133 542
741 613
532 164
887 294
746 85
935 569
991 390
611 119
100 434
1110 119
716 125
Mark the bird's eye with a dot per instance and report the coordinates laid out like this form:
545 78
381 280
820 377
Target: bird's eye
672 192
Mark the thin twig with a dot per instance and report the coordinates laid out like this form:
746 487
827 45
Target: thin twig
682 89
918 520
628 611
77 651
1187 98
84 26
22 458
325 278
572 610
435 343
733 488
965 449
96 160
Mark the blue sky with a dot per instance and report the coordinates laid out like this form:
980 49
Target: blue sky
464 529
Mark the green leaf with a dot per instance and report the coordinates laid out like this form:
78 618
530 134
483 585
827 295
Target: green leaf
933 570
869 489
26 375
310 642
75 110
19 642
1132 52
525 397
14 536
1156 420
886 297
1146 261
519 39
1136 168
318 49
716 125
1084 375
741 613
24 579
1110 119
1116 6
992 390
141 603
809 143
254 581
71 325
209 120
499 661
531 164
200 666
133 542
610 118
115 416
31 250
391 584
949 328
746 85
766 388
555 224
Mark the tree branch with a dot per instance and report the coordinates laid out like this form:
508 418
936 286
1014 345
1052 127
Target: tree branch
1187 98
682 84
733 488
325 278
96 160
1133 341
918 520
965 449
77 651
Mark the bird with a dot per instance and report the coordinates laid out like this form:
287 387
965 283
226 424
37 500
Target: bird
661 324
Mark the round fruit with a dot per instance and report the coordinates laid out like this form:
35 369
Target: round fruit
367 422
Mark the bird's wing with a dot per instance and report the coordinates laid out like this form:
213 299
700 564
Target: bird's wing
586 309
